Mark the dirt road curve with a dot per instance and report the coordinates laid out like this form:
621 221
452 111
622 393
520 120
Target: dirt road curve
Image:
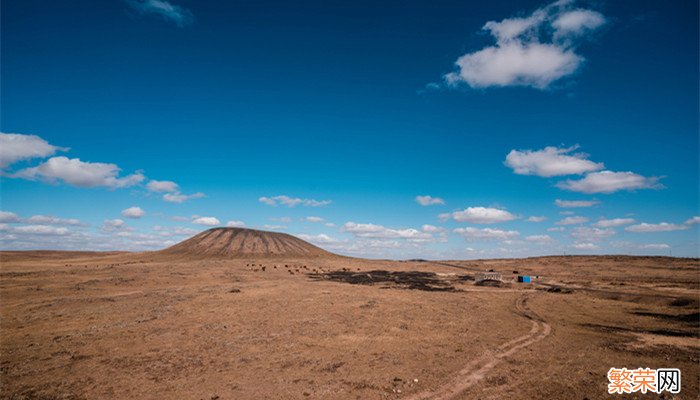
477 369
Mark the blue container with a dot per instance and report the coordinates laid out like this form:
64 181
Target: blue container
524 278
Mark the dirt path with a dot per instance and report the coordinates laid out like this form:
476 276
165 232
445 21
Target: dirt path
477 369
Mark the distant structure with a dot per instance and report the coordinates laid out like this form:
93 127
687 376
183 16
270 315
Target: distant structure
488 277
524 278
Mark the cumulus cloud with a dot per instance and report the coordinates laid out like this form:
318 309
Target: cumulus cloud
534 51
207 221
166 10
318 239
540 239
429 200
274 227
572 221
610 182
609 223
432 229
51 220
111 225
178 197
8 217
692 221
473 234
16 147
483 215
174 231
81 174
535 218
655 246
575 203
313 219
660 227
117 236
41 230
293 201
381 232
589 234
556 229
162 186
585 246
550 161
577 22
133 212
235 224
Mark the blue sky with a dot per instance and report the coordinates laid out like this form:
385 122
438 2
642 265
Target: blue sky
134 124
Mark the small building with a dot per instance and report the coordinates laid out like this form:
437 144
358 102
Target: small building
489 276
524 278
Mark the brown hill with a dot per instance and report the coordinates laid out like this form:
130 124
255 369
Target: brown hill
240 242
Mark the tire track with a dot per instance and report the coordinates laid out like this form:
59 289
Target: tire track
477 369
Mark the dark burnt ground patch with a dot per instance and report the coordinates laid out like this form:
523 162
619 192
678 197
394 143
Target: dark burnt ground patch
692 318
620 329
412 280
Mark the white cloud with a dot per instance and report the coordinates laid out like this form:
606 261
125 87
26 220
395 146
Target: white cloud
588 234
235 224
655 246
39 236
8 217
514 64
536 219
41 230
541 239
432 229
168 11
207 221
572 221
483 215
293 201
317 239
110 225
660 227
133 212
179 197
381 232
575 203
50 220
556 229
585 246
550 161
162 186
81 174
610 182
274 227
577 22
16 147
313 219
329 224
174 231
566 213
526 52
471 234
609 223
429 200
692 221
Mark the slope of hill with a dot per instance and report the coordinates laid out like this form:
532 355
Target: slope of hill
240 242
